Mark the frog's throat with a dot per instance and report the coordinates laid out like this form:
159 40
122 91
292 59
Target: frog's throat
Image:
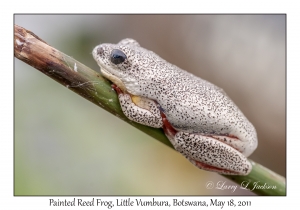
113 79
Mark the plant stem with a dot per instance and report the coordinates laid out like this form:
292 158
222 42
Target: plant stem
86 82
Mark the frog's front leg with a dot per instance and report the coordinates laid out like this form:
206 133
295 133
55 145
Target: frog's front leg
139 109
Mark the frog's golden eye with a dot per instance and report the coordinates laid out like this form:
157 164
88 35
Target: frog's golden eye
117 56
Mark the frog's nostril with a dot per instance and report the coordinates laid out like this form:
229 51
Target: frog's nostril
100 51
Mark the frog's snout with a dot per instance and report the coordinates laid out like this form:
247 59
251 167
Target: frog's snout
98 52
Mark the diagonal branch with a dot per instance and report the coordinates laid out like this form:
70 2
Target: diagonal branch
86 82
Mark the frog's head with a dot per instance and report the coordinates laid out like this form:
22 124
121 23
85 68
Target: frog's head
122 63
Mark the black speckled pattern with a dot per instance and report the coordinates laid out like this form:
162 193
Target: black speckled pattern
192 106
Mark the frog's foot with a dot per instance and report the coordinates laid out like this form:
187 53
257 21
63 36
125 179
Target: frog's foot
117 89
139 109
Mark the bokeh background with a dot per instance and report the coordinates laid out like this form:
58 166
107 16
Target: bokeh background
65 145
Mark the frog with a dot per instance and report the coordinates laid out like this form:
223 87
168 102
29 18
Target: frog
198 117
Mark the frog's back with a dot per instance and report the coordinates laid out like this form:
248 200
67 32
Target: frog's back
192 104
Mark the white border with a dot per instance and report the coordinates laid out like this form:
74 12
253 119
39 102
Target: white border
293 90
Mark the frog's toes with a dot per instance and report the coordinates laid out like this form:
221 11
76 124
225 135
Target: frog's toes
117 89
244 170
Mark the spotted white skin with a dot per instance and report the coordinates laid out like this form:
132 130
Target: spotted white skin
210 130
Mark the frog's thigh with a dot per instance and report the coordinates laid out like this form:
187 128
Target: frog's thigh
205 152
148 114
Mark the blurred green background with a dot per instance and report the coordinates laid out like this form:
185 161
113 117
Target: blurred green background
65 145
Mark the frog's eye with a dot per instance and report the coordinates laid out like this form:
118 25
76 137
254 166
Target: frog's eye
117 56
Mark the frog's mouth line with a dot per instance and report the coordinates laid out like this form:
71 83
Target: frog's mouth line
114 79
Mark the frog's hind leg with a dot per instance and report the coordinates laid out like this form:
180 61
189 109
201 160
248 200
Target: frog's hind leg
206 152
139 109
210 154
